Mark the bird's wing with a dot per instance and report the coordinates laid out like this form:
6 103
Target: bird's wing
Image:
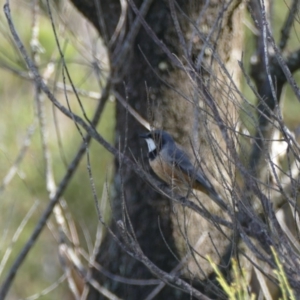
182 161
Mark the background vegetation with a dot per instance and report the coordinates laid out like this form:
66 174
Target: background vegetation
24 189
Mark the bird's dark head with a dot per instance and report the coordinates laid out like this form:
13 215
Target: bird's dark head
156 139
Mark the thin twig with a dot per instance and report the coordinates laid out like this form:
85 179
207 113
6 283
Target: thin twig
16 236
47 290
121 54
14 168
171 279
288 24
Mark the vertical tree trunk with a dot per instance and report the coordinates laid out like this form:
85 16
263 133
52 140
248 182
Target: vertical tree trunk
154 85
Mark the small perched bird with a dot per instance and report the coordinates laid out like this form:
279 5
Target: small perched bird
173 166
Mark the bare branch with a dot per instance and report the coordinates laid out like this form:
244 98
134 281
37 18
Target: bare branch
167 277
286 28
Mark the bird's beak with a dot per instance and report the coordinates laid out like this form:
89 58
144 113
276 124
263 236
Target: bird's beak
144 135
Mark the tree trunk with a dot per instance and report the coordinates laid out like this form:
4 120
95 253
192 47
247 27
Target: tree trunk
169 96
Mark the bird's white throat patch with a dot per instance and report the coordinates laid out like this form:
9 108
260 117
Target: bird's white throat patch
151 144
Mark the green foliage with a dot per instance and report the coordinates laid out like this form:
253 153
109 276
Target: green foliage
285 288
237 290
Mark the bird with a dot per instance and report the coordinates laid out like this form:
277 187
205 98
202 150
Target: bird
173 166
